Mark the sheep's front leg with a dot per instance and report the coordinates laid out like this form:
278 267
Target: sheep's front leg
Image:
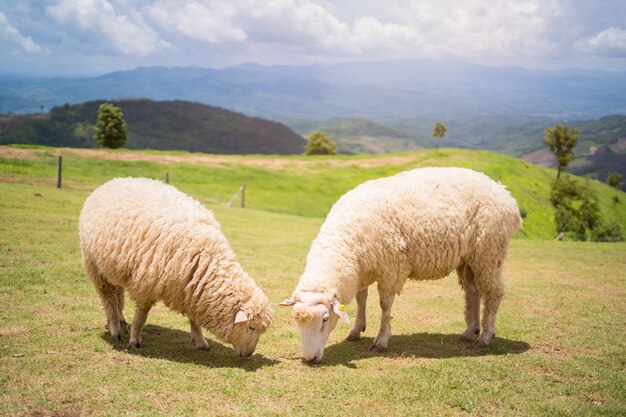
196 336
472 303
381 341
359 322
141 314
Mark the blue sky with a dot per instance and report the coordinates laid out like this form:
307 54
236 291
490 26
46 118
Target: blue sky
88 37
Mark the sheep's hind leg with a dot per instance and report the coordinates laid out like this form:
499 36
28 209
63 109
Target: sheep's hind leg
141 314
491 288
382 340
196 336
359 322
120 308
472 303
109 296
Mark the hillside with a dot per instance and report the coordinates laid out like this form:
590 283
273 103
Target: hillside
298 185
358 135
601 148
380 90
162 125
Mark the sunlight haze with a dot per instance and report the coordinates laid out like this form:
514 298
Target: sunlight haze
91 37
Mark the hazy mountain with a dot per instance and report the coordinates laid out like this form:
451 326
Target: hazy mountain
359 135
385 90
169 125
601 148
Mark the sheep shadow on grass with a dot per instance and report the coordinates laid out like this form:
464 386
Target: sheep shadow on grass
418 345
175 345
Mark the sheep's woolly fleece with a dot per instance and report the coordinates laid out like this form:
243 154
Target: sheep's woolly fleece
420 224
162 245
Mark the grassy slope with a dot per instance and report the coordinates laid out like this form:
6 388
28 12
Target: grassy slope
308 186
559 349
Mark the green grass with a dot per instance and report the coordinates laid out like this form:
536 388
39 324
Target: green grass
559 350
305 186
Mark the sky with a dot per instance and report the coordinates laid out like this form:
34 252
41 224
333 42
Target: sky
92 37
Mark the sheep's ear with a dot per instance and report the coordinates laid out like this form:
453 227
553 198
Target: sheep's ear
241 317
288 302
340 310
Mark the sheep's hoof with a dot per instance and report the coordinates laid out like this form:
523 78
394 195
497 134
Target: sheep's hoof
464 339
200 344
204 348
480 344
378 349
352 337
116 337
133 345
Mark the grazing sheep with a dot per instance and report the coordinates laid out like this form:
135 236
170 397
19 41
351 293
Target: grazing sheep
162 245
420 224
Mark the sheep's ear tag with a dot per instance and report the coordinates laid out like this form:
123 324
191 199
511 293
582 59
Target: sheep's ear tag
340 310
288 302
240 317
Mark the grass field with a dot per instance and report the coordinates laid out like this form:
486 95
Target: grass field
560 348
297 185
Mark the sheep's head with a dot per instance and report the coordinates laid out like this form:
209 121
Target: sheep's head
316 315
249 323
246 334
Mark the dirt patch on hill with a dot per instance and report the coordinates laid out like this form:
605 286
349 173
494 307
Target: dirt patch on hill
223 161
541 157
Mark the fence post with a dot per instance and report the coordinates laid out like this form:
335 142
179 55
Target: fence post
167 177
243 196
59 170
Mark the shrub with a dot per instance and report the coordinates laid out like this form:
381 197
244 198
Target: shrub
576 208
607 233
615 179
320 144
523 213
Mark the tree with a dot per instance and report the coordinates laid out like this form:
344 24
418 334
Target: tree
576 208
615 179
110 127
439 131
561 140
320 144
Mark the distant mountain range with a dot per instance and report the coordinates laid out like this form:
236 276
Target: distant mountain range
601 147
170 125
367 107
359 135
382 90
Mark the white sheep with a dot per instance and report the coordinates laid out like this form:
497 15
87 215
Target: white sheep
420 224
162 245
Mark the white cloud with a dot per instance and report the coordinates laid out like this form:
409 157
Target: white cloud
369 34
412 28
209 22
476 28
609 42
300 25
12 34
128 33
536 33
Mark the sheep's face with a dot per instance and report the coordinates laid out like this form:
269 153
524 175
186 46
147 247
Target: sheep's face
316 317
246 334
